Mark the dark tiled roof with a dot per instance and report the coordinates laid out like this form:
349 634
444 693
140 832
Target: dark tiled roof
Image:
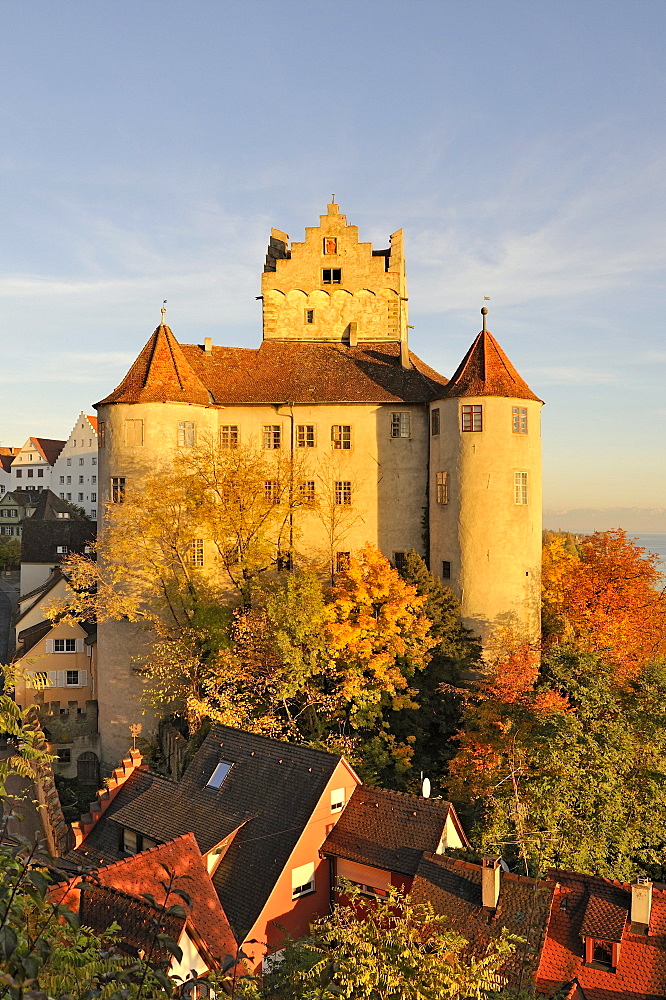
29 637
44 532
388 830
454 889
598 907
50 505
49 448
7 457
24 498
486 371
276 372
102 905
271 792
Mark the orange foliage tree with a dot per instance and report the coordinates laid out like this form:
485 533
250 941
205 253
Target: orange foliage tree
608 599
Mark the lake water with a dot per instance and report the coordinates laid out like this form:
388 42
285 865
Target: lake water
653 543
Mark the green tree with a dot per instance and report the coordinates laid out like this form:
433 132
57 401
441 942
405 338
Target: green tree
10 553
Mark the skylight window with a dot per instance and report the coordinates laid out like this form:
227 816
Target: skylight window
219 774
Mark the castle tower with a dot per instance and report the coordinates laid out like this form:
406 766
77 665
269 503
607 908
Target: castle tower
485 491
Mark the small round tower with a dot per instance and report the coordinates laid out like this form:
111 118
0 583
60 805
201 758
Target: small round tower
485 491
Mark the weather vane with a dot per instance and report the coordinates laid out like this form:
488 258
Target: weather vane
163 310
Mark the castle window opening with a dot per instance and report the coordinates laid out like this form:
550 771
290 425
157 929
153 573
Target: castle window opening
519 419
472 417
341 561
305 435
117 490
400 425
271 436
330 244
442 487
185 434
399 561
341 437
331 276
446 570
197 552
343 493
309 316
272 490
64 755
229 436
133 434
520 487
101 436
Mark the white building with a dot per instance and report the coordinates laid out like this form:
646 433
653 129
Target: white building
32 468
7 456
75 471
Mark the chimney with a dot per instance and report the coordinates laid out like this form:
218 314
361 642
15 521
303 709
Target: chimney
208 345
490 881
641 905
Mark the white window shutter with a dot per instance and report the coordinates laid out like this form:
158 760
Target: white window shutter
53 675
89 650
79 645
62 679
49 645
302 875
83 678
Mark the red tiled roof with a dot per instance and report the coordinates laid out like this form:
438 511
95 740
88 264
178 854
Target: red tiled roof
597 907
7 456
275 372
486 371
93 421
454 889
144 872
48 448
160 374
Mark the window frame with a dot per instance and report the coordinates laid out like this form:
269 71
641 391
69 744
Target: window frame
341 437
519 419
446 569
342 493
401 421
471 418
229 436
197 552
271 437
186 434
331 276
442 488
118 489
306 436
521 489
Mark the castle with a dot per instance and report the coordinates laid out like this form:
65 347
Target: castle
451 468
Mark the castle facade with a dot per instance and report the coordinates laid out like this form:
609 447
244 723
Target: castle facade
407 458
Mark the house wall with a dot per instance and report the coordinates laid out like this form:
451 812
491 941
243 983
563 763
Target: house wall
492 543
58 697
192 964
30 470
76 461
281 911
33 575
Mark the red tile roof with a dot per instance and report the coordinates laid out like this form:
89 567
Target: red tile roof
598 907
486 371
93 421
275 372
144 873
7 456
48 448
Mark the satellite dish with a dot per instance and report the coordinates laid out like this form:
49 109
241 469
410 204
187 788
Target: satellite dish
425 788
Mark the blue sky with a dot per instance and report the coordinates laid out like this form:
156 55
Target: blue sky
146 148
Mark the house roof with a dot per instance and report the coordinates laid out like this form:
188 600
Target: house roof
38 592
387 829
45 531
29 637
144 873
47 447
454 889
7 456
275 372
269 793
600 908
22 498
486 371
92 420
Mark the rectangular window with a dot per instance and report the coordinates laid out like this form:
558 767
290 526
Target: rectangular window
520 487
197 552
93 514
30 473
72 676
117 489
307 491
40 473
185 434
446 570
93 498
69 461
400 425
61 549
337 800
62 480
272 490
302 880
309 316
80 497
442 487
69 480
19 473
64 755
341 561
271 436
330 244
331 276
341 437
129 844
399 561
69 496
6 529
64 646
343 496
519 419
305 435
219 775
94 461
80 480
82 461
133 433
472 417
229 436
93 480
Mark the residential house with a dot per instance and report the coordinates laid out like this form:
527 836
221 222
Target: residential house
7 456
54 531
15 509
75 471
32 467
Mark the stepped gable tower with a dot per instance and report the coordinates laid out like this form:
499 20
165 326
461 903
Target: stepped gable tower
485 491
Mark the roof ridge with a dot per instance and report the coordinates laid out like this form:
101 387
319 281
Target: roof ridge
151 850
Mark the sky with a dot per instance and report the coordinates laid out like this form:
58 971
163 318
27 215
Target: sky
147 148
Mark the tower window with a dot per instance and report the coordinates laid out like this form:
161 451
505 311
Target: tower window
101 433
400 425
446 570
341 437
519 419
442 487
472 417
331 276
271 435
133 433
343 493
197 552
399 561
520 487
272 490
186 434
117 489
229 436
434 422
309 315
305 435
330 244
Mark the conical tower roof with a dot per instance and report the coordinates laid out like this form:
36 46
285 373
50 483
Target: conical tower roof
486 371
160 374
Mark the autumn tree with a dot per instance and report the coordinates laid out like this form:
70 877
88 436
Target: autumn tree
605 596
